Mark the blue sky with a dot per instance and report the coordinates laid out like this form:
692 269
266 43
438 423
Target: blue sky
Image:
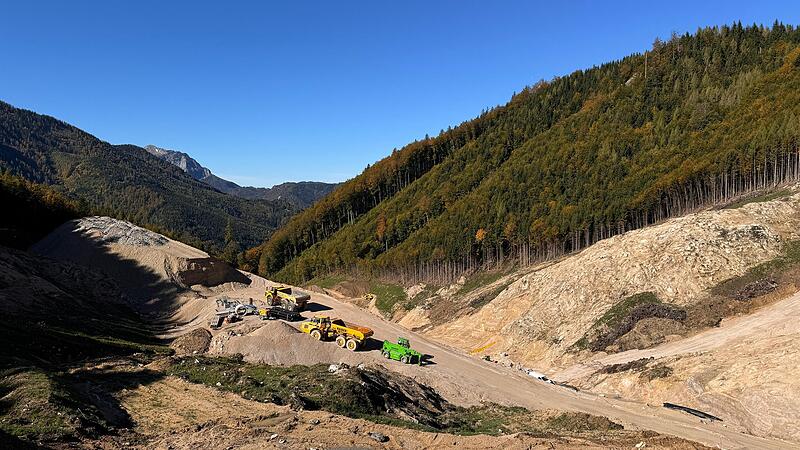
266 92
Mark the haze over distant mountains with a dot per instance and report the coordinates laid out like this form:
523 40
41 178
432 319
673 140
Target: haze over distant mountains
301 194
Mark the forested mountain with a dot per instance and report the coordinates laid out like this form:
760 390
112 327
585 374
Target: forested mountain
129 183
300 194
693 121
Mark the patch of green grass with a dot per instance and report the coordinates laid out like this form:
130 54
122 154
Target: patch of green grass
53 344
375 396
492 419
38 407
387 295
765 197
479 279
27 411
616 313
788 259
428 292
327 281
309 387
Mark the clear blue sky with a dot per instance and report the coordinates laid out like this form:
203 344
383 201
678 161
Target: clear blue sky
265 92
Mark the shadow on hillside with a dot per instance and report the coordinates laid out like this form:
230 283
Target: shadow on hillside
100 387
153 295
13 442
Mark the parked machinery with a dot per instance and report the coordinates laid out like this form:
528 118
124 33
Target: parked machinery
346 335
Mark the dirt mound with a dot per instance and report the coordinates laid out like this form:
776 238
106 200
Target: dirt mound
31 284
141 262
277 343
112 231
191 343
208 272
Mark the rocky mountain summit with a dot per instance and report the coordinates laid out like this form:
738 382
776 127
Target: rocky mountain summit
300 194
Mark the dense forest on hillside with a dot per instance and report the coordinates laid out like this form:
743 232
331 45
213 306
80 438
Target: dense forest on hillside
126 182
32 211
300 194
696 120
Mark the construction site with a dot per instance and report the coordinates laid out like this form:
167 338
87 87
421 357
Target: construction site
430 373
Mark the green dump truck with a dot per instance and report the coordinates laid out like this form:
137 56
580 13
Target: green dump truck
401 351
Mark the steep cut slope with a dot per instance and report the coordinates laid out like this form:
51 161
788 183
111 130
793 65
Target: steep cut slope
566 163
590 318
127 182
300 194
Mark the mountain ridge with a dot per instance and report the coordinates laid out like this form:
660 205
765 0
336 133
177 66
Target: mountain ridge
129 183
301 194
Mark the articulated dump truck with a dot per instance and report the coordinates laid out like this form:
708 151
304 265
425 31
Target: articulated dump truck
347 335
282 296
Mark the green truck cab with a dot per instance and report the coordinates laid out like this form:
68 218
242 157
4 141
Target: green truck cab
401 351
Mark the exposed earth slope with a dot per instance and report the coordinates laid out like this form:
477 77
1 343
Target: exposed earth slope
460 378
710 297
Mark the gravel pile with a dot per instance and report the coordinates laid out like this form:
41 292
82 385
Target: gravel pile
113 231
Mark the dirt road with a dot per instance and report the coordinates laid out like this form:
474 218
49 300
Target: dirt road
781 318
145 271
509 386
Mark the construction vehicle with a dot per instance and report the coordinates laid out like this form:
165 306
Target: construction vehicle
283 296
229 311
401 351
346 335
278 312
226 306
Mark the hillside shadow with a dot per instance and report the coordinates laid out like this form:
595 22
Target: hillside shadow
100 388
12 442
152 295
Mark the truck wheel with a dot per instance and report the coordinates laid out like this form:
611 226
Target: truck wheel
404 359
352 345
316 335
341 341
386 354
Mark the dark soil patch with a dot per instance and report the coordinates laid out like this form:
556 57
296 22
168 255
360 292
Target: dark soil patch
659 371
635 365
756 289
193 342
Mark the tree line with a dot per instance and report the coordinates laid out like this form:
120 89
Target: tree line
696 120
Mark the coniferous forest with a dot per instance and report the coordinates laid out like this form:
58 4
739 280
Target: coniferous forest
696 120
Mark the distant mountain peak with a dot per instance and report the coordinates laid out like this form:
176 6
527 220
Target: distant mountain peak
300 194
180 159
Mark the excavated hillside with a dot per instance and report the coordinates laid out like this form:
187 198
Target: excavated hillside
658 287
237 375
